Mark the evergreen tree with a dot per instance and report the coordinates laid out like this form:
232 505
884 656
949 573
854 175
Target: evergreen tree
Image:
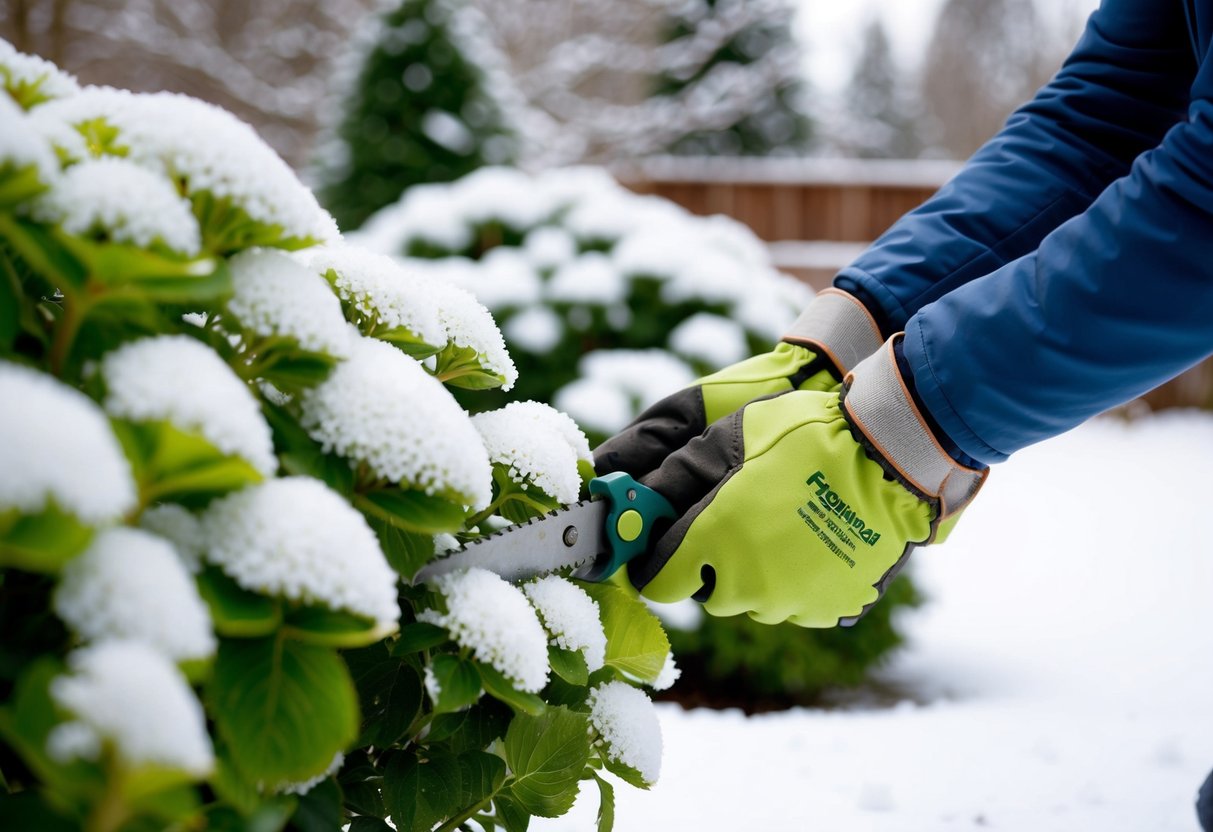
419 111
757 50
881 117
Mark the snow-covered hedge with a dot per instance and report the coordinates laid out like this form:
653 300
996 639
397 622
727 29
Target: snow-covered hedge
608 300
227 443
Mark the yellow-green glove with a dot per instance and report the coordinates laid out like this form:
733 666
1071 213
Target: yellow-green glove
804 506
832 335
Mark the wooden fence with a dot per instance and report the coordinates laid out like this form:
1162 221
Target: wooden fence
818 214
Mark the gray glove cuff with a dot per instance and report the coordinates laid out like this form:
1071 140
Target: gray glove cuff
878 403
838 325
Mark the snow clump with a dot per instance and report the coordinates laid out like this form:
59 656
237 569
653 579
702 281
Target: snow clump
379 289
29 77
304 786
130 584
427 215
670 673
274 296
493 619
571 616
616 384
123 202
177 379
56 446
590 279
536 329
712 339
382 408
128 695
627 722
209 150
537 445
23 146
468 324
181 528
297 539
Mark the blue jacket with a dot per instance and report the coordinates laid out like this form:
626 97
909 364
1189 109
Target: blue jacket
1069 266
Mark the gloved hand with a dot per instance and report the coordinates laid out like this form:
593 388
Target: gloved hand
830 337
804 506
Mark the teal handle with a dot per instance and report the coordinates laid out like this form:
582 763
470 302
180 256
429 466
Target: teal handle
634 510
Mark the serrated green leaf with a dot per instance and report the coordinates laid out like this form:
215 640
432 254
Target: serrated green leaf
301 456
332 628
636 643
627 774
606 805
458 683
408 341
569 665
462 367
412 511
546 755
515 818
235 611
284 708
406 552
418 636
41 542
481 775
472 729
365 824
420 793
500 688
390 692
319 810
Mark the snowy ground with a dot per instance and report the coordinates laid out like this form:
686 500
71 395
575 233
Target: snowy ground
1065 659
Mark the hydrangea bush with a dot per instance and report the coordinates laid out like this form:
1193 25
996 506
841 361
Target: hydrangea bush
228 442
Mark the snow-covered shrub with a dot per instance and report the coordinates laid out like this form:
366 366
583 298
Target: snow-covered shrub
571 264
225 451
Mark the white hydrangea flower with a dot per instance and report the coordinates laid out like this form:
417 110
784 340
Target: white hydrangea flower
382 408
600 406
56 445
209 149
273 295
63 138
130 584
716 341
772 305
627 722
670 673
183 381
379 288
179 527
297 539
646 375
590 279
499 194
549 246
502 278
571 616
535 329
618 214
127 695
428 214
303 787
537 444
22 145
18 70
468 324
125 202
493 619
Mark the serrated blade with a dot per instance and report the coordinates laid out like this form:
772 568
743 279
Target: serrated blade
568 537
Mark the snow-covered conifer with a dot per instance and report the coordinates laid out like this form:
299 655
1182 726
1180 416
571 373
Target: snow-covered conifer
56 445
570 616
626 721
177 379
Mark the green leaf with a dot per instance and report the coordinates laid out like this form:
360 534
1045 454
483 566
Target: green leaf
406 552
320 809
27 811
293 370
500 688
515 818
569 665
472 729
419 794
284 708
390 692
418 636
41 542
461 367
178 465
332 628
412 511
606 805
365 824
636 643
231 786
627 774
408 341
235 611
481 775
546 755
458 683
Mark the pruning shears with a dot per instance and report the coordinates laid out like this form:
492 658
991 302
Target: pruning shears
594 537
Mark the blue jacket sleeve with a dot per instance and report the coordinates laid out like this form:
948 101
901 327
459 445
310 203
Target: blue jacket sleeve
1123 87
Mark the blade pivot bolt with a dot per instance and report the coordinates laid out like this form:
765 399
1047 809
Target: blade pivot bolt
570 536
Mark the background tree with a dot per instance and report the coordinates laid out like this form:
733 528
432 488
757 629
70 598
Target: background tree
880 116
418 108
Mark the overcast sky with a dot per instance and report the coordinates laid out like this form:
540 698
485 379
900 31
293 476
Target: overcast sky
832 30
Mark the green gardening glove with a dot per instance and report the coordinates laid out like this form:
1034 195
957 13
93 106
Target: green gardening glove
804 506
830 337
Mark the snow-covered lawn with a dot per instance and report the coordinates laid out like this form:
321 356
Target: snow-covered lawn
1065 659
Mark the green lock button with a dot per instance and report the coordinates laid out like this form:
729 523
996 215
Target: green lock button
630 525
632 511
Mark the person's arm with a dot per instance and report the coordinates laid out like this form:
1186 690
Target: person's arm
1126 83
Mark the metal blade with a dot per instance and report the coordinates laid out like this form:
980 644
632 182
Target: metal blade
572 536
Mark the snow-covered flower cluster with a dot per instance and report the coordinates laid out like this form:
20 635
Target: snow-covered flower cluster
178 526
22 147
536 444
120 201
130 585
626 721
56 446
177 379
615 385
570 262
275 297
495 621
127 696
31 80
297 539
380 407
571 617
